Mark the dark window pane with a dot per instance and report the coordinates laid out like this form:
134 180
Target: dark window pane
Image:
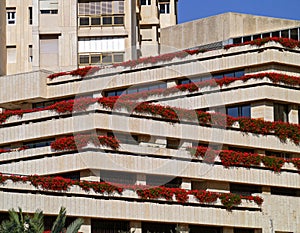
229 75
118 58
246 38
239 74
256 36
265 35
119 20
218 76
84 59
95 59
294 34
237 40
106 58
281 112
246 111
285 34
96 21
84 21
275 34
233 111
107 20
184 81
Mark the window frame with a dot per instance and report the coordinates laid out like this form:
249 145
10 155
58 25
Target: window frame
11 16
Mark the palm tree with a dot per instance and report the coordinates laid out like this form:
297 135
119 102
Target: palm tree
59 224
18 223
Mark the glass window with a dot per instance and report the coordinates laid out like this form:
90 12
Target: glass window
146 2
106 58
285 33
246 38
281 112
118 57
239 111
107 20
276 34
164 8
11 15
84 59
265 35
119 20
256 36
294 34
239 74
96 21
95 59
30 15
84 21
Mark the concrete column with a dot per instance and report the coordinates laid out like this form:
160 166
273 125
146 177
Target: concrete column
266 190
90 175
186 184
228 230
171 83
86 227
135 226
293 114
182 228
262 110
140 179
161 142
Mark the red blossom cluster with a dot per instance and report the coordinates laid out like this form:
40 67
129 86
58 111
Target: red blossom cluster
82 72
204 197
132 63
181 195
77 142
285 42
231 158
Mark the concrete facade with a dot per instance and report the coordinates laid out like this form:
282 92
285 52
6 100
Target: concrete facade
48 34
161 150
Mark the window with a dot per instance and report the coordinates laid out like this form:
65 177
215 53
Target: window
49 6
145 2
106 226
49 48
117 177
158 227
30 15
130 90
38 144
11 15
165 181
281 112
243 230
30 56
172 143
285 191
239 111
164 8
204 229
245 190
11 54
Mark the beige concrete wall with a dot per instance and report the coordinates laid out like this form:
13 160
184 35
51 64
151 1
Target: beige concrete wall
20 35
219 28
3 37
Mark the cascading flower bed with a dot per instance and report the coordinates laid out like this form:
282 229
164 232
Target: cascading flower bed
79 141
285 42
82 72
230 158
229 200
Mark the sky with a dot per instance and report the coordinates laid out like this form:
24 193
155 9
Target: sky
189 10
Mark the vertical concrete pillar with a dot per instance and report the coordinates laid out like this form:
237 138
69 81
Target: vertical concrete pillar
182 228
262 110
186 184
86 227
90 175
293 114
135 226
228 230
140 179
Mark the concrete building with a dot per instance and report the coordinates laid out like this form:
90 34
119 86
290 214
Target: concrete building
62 35
255 154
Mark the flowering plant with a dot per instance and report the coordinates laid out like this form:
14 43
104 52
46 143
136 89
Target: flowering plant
181 195
79 141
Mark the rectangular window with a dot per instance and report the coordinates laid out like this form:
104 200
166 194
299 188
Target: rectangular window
281 112
118 177
239 111
245 190
11 54
11 15
49 48
30 55
49 6
164 8
145 2
30 15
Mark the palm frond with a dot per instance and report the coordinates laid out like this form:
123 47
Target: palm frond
75 226
59 223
